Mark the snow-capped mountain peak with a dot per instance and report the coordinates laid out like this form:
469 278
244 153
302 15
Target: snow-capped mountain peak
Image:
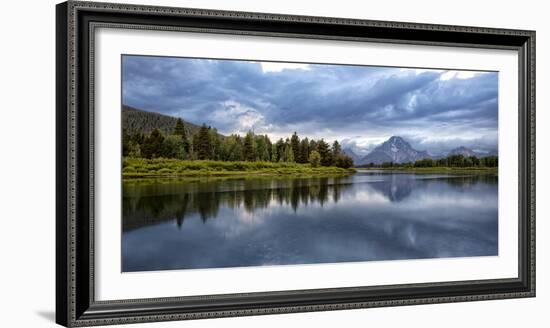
395 150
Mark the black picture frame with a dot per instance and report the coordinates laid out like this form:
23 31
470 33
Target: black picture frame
75 301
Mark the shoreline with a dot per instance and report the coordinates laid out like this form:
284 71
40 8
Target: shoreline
137 168
484 170
199 174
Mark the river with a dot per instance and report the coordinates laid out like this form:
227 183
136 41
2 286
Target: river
253 221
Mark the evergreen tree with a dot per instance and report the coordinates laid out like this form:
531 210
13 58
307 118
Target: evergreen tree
249 147
295 144
179 129
323 150
201 144
269 147
336 149
125 143
152 145
303 151
280 145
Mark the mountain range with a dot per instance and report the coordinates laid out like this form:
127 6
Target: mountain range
397 150
467 152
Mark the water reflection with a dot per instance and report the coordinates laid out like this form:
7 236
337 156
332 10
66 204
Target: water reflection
261 221
147 204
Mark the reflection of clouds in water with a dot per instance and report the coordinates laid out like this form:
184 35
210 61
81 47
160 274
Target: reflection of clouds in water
435 201
439 202
368 196
384 219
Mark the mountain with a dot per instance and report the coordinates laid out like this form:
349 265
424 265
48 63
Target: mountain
137 120
467 152
356 158
395 150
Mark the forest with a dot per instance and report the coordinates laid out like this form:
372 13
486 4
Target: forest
452 161
208 145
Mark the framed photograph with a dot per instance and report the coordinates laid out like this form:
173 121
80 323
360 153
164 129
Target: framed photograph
214 163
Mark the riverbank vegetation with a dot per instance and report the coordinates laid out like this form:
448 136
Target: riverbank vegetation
161 167
437 169
449 163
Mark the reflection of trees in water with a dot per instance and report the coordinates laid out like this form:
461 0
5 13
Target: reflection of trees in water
142 206
142 210
468 181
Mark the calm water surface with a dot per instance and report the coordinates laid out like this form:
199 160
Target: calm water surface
212 223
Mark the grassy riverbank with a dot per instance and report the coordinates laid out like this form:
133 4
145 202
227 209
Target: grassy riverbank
158 168
455 170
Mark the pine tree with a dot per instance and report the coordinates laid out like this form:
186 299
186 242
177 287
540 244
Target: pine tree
323 150
201 144
280 145
304 151
179 129
152 145
249 147
125 143
336 149
295 144
269 147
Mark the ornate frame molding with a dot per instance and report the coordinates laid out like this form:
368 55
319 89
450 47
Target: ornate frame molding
76 25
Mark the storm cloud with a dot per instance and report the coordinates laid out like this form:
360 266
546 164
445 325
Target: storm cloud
358 105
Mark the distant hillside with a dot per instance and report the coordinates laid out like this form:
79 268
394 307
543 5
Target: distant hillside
137 120
467 152
348 151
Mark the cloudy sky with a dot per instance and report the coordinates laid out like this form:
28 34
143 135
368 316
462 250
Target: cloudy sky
360 106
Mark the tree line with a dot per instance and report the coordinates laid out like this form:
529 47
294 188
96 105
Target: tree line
449 161
208 144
